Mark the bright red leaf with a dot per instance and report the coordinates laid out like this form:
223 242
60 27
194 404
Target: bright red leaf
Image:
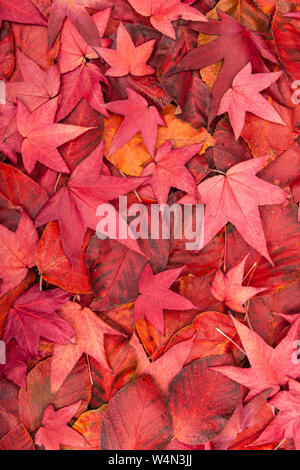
55 431
155 295
17 253
244 96
245 423
90 331
228 287
42 136
37 86
168 170
139 117
33 316
234 197
77 13
149 425
270 367
74 50
286 424
200 404
127 58
88 187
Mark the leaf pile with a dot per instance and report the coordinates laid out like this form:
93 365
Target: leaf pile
139 342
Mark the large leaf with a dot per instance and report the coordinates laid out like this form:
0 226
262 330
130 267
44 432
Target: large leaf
200 402
136 419
17 189
55 267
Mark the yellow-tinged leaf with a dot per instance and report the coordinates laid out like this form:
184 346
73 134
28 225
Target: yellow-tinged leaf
245 12
133 156
89 425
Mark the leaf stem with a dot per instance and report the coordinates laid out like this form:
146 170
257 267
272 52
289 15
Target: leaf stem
57 181
228 337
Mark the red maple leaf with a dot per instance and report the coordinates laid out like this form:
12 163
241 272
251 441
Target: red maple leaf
90 331
244 96
168 170
155 295
83 82
75 205
74 50
139 117
42 136
33 316
55 432
234 197
286 424
236 46
228 287
80 78
270 367
127 58
17 253
37 86
163 12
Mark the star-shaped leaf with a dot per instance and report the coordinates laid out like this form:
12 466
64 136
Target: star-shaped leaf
75 205
228 287
270 367
139 117
286 424
37 86
55 430
83 82
42 136
155 295
74 50
234 197
168 170
17 253
90 331
127 58
33 316
244 96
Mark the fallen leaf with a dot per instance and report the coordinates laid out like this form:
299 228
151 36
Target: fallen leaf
90 331
42 134
54 430
127 58
17 253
